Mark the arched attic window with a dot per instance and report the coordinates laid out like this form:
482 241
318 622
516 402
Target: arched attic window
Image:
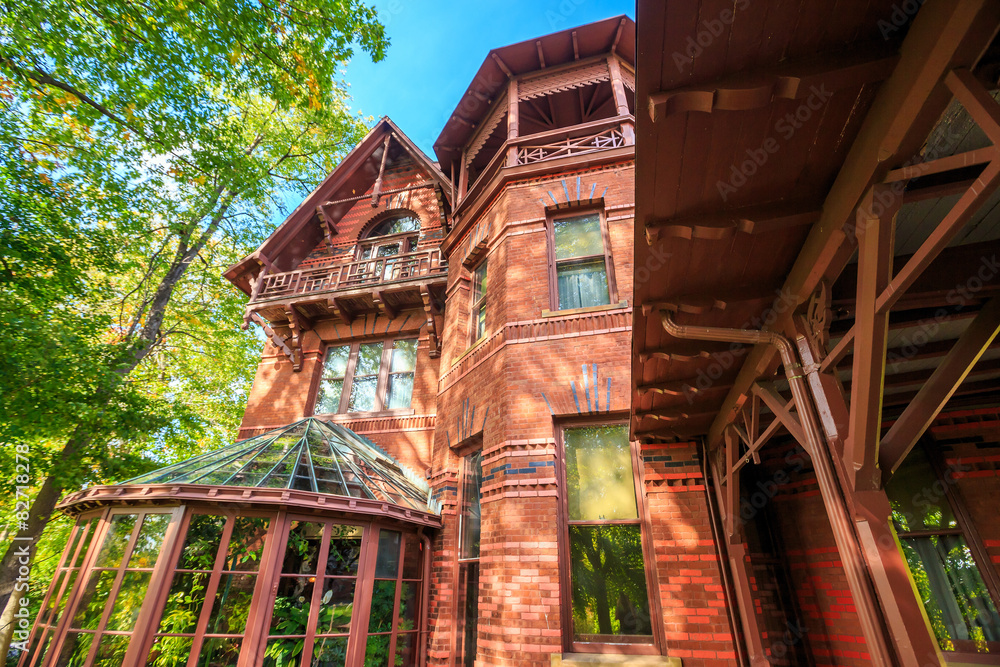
395 235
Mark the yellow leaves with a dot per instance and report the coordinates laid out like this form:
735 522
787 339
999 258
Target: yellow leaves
45 179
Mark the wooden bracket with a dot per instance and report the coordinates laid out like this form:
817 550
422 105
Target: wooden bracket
429 309
294 355
378 296
336 306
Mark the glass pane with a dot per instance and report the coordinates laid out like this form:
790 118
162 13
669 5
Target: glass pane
917 496
377 651
405 653
609 585
412 564
129 601
400 391
387 563
61 603
387 250
184 603
329 652
246 544
201 545
302 549
291 606
345 550
583 284
53 595
335 365
96 593
111 650
578 237
75 649
220 652
470 604
409 595
404 356
369 359
148 542
78 533
170 652
481 322
956 600
284 652
88 538
232 604
383 604
116 540
336 607
479 282
471 516
599 479
328 399
363 394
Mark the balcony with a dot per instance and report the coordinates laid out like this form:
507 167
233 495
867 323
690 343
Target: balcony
382 285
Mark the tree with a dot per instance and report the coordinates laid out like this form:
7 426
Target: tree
156 139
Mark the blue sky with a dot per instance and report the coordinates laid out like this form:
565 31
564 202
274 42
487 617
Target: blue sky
437 47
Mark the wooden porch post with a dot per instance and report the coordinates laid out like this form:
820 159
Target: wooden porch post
621 102
512 121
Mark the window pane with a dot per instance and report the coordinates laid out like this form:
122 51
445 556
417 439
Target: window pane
377 651
479 282
387 563
246 546
405 653
291 606
404 356
184 603
111 651
220 652
88 614
302 548
82 553
61 605
232 604
917 497
129 601
400 391
75 649
201 545
578 237
956 600
383 603
329 652
599 478
582 284
409 594
345 550
387 250
412 562
363 394
328 398
335 365
284 652
147 543
116 540
609 585
170 652
481 322
336 607
471 516
369 359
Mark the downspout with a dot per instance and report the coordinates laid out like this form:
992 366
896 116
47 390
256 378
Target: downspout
425 598
848 546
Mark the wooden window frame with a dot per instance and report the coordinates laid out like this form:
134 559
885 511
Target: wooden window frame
551 217
461 565
481 302
382 386
658 644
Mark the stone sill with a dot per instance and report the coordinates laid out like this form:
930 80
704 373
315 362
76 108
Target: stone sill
590 309
586 659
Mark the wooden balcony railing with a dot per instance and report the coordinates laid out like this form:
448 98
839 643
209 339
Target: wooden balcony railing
352 275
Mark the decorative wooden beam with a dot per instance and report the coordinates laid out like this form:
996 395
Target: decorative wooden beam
429 306
781 409
295 356
501 64
675 388
875 252
376 191
817 77
618 36
758 219
942 165
541 56
933 396
977 101
378 296
576 46
699 304
621 102
512 121
691 351
336 306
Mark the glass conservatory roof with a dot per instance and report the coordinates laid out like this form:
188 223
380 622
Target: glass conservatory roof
309 455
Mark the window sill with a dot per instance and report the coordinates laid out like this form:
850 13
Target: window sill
351 416
590 309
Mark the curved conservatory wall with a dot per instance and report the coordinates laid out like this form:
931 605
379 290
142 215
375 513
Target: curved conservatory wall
186 573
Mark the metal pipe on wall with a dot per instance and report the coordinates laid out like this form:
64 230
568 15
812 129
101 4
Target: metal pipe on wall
848 546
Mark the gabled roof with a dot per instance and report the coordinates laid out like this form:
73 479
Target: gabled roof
301 230
309 455
612 35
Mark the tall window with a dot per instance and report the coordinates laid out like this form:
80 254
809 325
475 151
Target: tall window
479 301
393 236
580 262
469 523
367 377
610 600
962 613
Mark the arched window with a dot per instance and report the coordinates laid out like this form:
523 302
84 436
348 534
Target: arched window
393 236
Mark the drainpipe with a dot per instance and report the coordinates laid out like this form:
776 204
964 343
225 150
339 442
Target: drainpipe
425 595
848 546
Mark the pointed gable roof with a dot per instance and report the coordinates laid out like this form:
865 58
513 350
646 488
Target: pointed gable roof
303 229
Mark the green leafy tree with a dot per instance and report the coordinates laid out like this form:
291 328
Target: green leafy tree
145 147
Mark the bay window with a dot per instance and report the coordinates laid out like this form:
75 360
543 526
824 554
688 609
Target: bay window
367 377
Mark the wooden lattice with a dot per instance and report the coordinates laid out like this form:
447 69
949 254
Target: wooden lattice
569 79
498 114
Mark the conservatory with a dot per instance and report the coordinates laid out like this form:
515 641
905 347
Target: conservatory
303 546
